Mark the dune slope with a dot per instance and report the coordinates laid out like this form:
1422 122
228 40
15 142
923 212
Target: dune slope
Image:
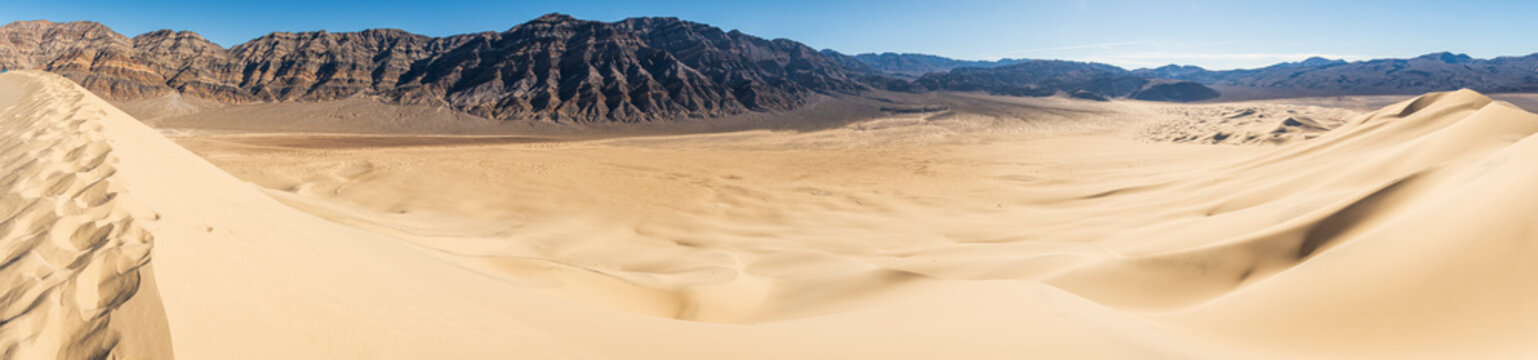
241 276
1402 233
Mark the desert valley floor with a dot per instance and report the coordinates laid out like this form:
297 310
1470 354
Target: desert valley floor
1384 227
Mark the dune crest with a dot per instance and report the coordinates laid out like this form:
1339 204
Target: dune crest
73 240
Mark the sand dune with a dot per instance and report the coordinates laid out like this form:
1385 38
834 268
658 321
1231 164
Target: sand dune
1244 123
969 233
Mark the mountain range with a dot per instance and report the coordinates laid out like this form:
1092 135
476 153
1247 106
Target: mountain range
554 67
908 65
1431 72
1442 71
562 69
1083 80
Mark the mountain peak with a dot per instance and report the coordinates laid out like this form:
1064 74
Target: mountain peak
79 26
168 33
1447 57
157 33
1171 67
1320 61
28 23
554 17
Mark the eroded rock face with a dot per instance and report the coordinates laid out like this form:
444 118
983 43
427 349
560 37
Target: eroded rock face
552 68
188 63
556 67
35 44
758 72
327 66
89 53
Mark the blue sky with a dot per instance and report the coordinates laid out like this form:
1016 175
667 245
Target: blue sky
1129 33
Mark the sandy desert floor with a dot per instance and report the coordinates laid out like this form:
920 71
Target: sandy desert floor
1057 229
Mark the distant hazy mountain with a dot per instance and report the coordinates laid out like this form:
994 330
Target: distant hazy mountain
910 65
554 67
1080 79
1198 74
1014 77
1431 72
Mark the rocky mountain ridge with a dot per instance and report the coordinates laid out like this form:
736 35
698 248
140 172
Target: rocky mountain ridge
554 67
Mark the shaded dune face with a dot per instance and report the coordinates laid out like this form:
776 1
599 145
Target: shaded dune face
1357 175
